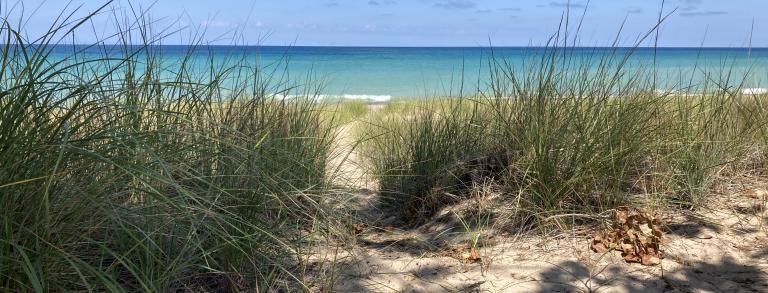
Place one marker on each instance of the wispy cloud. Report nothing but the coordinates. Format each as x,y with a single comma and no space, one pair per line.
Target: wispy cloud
688,8
381,2
566,4
689,5
634,10
219,24
505,9
703,13
456,4
331,4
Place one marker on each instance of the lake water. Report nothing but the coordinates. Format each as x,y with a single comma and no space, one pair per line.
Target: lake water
382,73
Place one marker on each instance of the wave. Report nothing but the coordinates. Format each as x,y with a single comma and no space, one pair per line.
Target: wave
329,97
754,91
388,98
372,98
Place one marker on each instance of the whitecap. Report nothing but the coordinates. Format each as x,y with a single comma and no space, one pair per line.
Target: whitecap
754,91
370,98
373,98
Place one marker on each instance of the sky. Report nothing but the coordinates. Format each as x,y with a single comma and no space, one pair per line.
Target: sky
418,23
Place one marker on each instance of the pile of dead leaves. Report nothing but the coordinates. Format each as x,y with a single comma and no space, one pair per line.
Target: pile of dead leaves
638,235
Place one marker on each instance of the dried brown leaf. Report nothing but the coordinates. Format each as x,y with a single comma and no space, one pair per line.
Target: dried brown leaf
627,248
599,247
359,227
466,254
632,258
474,255
650,260
755,193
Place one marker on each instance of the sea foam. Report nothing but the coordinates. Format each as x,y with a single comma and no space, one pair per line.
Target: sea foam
371,98
754,91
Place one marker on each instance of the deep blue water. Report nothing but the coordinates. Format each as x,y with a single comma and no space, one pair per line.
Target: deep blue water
413,72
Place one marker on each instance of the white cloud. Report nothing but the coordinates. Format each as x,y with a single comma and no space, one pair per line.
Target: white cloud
218,24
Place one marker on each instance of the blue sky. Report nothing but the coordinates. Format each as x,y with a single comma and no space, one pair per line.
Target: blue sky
425,22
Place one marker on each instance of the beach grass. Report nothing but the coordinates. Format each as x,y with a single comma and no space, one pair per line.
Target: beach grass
345,111
557,141
126,173
117,174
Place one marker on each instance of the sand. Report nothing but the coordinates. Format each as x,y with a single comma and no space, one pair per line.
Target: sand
723,251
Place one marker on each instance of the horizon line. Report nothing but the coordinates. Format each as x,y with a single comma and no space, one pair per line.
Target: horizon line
415,47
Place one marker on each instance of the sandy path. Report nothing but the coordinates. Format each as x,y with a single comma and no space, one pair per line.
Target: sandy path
347,162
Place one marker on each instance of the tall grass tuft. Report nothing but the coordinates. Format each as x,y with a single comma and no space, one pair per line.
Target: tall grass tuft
568,135
419,155
124,170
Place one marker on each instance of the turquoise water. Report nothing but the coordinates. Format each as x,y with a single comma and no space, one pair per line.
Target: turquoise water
382,73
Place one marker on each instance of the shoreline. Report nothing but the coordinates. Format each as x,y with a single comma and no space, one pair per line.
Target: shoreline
386,99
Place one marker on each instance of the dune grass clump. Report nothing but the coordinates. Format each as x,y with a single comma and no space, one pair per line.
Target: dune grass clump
423,152
127,171
572,134
698,136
